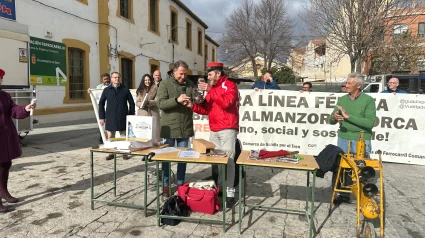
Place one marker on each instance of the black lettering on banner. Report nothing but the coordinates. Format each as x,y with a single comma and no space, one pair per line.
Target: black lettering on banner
291,101
380,137
249,129
302,102
329,102
290,117
301,118
278,101
247,101
397,123
382,104
317,133
199,117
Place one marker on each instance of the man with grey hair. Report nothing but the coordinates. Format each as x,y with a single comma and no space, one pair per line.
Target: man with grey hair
176,119
393,86
157,77
354,112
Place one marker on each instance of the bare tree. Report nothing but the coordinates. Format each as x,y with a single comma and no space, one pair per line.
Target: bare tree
260,28
403,54
354,27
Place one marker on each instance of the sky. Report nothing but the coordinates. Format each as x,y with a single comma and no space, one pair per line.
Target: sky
214,12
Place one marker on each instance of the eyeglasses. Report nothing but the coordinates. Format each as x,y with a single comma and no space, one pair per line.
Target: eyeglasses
306,88
392,83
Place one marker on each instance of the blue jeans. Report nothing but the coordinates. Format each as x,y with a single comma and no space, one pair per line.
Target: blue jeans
181,167
343,144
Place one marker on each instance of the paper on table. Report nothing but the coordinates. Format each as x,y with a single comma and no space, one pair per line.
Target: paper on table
165,150
143,102
188,154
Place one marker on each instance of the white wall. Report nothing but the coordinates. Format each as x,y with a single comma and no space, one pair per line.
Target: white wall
131,36
210,47
40,18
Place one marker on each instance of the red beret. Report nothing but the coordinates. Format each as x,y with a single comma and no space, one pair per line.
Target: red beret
2,73
214,66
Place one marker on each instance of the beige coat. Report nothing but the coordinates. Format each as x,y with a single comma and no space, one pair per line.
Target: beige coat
150,108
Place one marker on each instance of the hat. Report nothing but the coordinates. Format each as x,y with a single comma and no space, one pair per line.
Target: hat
2,73
214,66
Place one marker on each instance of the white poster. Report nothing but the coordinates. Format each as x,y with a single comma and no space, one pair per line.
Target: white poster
291,120
140,128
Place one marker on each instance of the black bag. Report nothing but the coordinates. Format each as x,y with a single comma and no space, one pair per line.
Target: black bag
328,159
173,206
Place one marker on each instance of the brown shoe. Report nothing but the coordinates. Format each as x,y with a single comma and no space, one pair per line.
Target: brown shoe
9,198
166,192
125,157
109,157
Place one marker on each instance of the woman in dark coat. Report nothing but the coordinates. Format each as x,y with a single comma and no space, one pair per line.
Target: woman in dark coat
9,140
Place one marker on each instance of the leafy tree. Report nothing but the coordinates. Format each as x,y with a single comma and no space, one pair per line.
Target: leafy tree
282,75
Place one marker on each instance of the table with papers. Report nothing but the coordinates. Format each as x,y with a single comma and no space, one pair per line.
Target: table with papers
307,164
145,153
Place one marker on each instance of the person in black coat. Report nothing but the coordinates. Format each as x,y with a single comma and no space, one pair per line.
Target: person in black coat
117,110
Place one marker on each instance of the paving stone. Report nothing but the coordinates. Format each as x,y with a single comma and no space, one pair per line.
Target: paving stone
53,181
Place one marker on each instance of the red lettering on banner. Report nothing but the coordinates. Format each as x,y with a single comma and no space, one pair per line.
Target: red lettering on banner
6,10
202,128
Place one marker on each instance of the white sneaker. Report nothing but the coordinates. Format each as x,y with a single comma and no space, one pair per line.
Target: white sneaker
230,192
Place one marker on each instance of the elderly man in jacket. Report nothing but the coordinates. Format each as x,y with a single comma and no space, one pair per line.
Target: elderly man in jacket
176,119
115,117
221,106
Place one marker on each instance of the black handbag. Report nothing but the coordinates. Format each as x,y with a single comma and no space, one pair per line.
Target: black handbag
173,206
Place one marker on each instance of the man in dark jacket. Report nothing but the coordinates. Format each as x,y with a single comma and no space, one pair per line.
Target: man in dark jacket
117,96
176,119
266,82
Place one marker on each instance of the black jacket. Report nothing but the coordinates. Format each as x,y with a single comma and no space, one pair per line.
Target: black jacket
328,158
117,108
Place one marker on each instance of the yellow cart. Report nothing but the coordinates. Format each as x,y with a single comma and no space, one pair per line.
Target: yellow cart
362,172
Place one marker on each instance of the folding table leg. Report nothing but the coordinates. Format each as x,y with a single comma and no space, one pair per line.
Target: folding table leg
115,174
157,194
91,180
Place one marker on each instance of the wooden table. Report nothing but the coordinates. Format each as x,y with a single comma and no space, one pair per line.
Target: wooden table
145,153
203,159
308,164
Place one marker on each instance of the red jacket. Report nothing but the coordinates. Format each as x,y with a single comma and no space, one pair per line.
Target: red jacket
221,105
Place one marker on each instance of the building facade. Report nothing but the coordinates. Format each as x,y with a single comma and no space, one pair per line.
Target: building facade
72,42
244,68
314,61
403,46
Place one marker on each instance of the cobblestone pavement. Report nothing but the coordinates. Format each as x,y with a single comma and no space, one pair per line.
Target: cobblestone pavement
53,181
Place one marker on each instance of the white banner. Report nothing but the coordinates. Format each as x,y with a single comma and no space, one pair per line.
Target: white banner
291,120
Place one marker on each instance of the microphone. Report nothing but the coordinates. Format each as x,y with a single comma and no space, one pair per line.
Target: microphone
200,93
184,89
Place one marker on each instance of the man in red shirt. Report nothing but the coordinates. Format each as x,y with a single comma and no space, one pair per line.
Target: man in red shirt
221,104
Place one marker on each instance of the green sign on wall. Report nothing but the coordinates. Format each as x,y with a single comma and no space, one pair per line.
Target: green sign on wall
47,62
